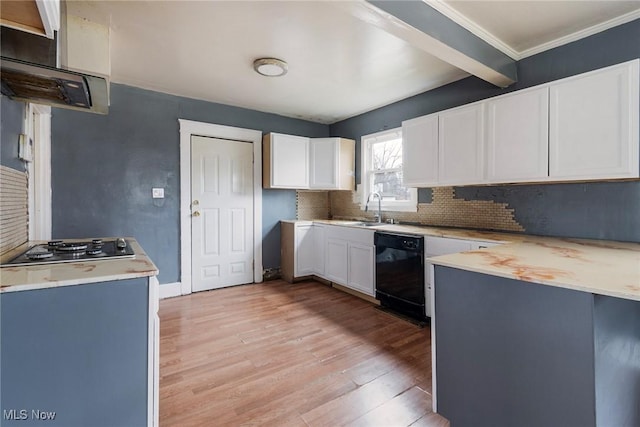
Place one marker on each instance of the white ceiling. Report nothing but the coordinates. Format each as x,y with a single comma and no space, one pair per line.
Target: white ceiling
339,65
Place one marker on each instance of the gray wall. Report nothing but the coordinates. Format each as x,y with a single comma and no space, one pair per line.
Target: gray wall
79,351
593,210
103,169
11,125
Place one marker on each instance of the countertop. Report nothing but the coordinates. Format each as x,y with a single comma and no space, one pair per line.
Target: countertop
596,266
25,278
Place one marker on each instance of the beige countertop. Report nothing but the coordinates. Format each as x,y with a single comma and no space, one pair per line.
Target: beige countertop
597,266
24,278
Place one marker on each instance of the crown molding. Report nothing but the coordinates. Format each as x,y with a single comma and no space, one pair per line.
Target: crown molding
442,7
619,20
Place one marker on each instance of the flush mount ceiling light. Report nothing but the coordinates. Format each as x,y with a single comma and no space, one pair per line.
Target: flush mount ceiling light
270,67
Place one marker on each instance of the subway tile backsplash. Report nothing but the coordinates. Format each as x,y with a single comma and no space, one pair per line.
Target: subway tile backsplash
443,210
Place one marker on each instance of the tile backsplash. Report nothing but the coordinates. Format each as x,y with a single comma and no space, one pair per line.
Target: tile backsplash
443,210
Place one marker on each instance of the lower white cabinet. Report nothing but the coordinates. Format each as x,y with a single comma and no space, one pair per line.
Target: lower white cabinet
360,261
336,267
350,257
297,249
319,242
305,251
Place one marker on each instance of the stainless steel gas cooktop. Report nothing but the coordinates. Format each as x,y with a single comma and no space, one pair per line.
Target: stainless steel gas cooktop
58,251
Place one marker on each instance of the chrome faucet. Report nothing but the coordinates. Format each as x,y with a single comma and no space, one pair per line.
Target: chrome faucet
378,217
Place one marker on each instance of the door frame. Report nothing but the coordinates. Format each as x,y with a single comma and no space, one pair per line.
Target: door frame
188,128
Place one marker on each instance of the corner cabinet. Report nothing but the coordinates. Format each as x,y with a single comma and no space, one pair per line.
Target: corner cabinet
302,163
584,127
297,250
594,125
332,164
285,161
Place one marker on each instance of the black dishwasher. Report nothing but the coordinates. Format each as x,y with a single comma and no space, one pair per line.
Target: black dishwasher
400,273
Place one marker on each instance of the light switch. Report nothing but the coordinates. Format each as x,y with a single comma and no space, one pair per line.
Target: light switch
157,193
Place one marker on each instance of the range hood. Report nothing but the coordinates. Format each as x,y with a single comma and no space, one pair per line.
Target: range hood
29,73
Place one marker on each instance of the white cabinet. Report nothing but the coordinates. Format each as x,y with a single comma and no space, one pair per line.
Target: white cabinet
461,145
583,127
517,136
336,255
304,251
331,164
594,125
350,258
319,242
285,161
361,270
297,249
420,151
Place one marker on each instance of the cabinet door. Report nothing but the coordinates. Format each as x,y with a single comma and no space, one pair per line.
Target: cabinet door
304,253
323,163
319,242
336,261
594,125
420,151
517,136
461,145
361,276
289,161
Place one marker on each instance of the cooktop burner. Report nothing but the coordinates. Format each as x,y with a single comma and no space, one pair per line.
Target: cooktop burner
57,251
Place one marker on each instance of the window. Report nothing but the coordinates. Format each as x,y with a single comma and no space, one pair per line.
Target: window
382,172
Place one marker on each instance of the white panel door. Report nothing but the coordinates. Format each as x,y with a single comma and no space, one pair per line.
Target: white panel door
323,163
361,268
420,151
222,213
594,125
518,136
461,145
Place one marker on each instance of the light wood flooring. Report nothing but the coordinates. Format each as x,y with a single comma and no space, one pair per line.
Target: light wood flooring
277,354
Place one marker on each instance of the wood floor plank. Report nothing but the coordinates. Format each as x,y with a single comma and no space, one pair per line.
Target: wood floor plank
280,354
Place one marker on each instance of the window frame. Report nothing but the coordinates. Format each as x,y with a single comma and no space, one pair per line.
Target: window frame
366,173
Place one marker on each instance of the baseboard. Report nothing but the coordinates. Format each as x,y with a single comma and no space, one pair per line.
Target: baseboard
169,290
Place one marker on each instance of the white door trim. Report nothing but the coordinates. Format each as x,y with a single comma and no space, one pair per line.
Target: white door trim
188,128
38,129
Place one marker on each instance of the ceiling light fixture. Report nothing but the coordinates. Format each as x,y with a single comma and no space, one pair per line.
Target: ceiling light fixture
270,67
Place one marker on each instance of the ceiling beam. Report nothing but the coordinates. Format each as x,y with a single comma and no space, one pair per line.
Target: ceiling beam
425,28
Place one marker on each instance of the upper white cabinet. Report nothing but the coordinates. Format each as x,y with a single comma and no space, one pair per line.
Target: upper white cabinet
331,164
461,145
285,161
517,136
420,151
583,127
594,125
298,162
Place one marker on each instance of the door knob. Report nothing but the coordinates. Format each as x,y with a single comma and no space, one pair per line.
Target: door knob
196,213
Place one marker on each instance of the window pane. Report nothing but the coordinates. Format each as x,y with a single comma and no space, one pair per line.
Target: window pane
387,155
389,185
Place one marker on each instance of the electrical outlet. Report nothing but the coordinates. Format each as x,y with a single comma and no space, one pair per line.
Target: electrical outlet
157,193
